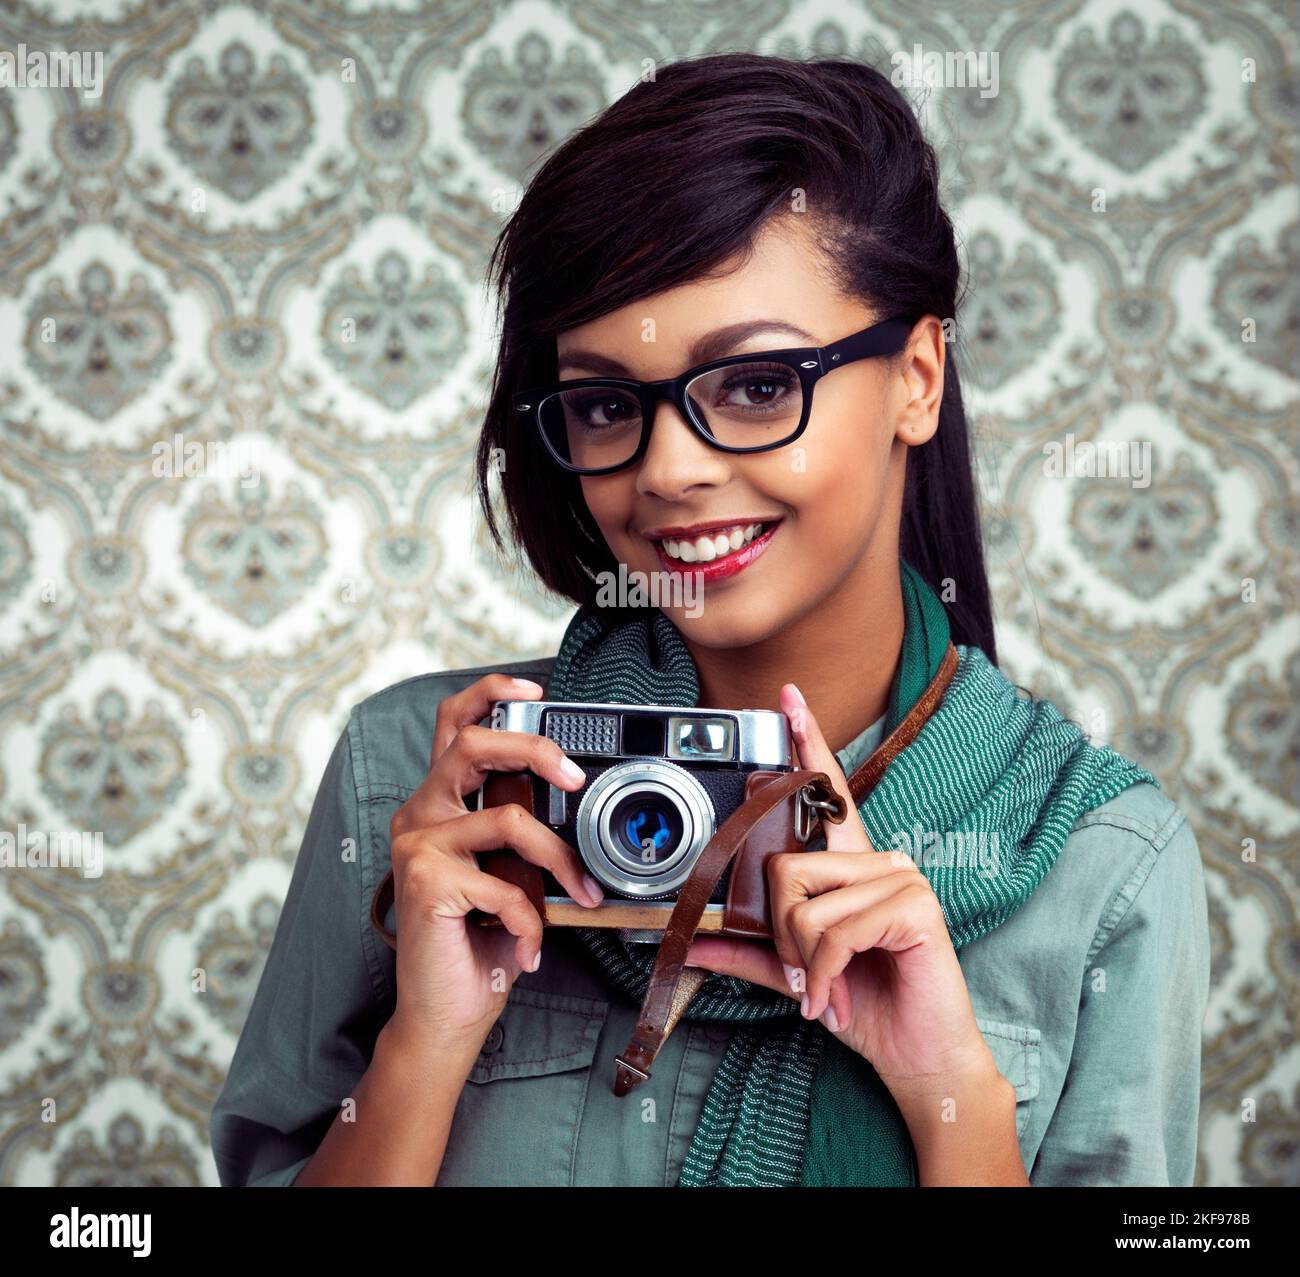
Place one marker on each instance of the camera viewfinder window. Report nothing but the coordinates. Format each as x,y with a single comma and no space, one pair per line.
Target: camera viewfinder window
702,738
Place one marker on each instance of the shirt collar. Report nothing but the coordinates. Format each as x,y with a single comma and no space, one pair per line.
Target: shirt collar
861,747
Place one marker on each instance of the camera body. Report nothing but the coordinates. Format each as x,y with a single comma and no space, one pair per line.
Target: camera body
660,781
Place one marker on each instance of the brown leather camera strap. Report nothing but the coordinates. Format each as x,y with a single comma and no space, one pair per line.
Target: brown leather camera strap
672,983
666,998
864,780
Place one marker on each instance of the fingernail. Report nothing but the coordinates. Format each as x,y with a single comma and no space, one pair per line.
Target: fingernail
803,1006
798,694
527,684
592,888
791,976
572,770
537,961
830,1019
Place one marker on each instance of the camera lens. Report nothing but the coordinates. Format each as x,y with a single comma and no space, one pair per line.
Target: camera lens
648,826
641,826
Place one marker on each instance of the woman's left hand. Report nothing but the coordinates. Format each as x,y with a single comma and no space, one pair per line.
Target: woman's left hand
860,936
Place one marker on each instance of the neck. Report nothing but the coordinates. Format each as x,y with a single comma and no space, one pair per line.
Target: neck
842,655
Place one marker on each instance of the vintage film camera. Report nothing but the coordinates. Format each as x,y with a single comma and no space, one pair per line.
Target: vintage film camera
660,782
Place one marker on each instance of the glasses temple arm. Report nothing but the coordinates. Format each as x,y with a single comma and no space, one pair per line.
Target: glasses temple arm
885,338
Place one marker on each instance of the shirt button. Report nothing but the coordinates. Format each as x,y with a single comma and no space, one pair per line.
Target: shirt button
496,1035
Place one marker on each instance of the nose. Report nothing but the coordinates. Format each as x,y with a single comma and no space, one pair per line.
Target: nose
677,460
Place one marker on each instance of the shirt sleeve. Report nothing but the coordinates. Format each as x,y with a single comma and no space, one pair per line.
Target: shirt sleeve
311,1029
1128,1112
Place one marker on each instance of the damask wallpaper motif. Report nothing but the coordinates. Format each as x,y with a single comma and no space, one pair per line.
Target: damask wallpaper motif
268,230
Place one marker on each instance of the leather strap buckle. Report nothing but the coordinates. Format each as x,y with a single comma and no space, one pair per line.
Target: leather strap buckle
641,1076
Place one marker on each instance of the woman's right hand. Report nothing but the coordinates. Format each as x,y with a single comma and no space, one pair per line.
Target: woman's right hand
453,977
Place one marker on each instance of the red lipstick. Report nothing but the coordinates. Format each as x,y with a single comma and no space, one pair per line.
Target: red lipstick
726,565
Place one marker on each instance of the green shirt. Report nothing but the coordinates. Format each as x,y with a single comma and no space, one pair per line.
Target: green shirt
1091,998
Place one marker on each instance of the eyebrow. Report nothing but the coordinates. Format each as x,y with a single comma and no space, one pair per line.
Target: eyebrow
712,345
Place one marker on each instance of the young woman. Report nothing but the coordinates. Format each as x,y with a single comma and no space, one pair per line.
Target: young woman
744,268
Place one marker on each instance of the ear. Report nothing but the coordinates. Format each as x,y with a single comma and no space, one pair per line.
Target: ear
920,370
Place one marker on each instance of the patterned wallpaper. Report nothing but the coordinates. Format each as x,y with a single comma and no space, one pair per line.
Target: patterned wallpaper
245,341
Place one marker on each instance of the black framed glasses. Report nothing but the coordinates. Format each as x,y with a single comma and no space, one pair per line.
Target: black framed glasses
744,403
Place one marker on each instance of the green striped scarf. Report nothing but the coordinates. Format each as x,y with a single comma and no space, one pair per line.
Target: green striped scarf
789,1103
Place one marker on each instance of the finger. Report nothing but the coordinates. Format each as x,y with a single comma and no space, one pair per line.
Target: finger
814,753
755,961
795,877
428,805
474,703
516,827
475,751
517,914
841,1002
836,927
462,887
804,874
806,921
464,766
509,826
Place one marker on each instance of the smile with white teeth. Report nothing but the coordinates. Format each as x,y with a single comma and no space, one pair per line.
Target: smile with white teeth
712,545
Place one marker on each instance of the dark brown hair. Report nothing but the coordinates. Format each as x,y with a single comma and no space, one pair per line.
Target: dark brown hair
664,186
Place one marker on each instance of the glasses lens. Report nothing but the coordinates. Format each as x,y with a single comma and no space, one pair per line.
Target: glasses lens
748,405
593,426
755,404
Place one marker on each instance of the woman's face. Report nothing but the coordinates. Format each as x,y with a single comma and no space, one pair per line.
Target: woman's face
829,503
